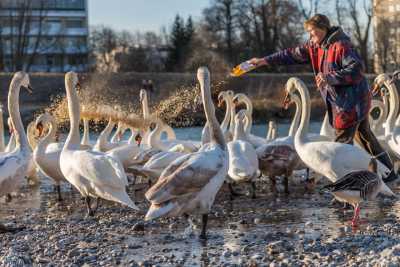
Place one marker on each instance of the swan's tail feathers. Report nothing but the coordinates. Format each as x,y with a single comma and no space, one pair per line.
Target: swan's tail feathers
158,210
124,199
387,191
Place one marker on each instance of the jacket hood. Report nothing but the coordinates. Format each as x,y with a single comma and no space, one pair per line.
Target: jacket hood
334,34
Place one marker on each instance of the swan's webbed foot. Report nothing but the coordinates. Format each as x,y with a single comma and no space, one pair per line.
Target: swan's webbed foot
203,234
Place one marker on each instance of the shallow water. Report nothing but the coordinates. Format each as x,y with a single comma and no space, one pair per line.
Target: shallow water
233,225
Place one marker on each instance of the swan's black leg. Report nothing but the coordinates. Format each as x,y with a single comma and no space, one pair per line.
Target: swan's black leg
203,234
89,208
253,189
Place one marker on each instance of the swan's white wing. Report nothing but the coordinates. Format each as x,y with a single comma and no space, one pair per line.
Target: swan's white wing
335,160
9,165
99,168
243,161
187,174
54,147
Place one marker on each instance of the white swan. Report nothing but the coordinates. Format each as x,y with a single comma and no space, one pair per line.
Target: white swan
392,130
223,96
256,141
102,144
377,124
156,142
243,161
93,174
190,183
47,154
147,116
86,142
14,165
333,160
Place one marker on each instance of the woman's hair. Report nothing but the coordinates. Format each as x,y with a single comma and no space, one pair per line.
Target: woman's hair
319,21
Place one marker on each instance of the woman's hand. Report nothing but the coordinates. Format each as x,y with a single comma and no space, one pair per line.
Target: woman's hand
257,61
321,80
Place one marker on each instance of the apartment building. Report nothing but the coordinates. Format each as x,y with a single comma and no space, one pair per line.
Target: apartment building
44,35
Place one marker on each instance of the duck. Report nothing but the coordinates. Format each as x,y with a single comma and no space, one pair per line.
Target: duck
358,186
14,165
243,161
330,159
94,174
47,153
190,183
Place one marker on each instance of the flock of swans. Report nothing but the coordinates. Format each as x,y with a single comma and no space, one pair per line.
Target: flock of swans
184,176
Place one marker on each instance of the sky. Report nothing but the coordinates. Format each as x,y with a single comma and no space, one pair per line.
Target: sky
142,15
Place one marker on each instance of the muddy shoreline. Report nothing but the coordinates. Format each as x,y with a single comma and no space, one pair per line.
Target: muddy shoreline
273,230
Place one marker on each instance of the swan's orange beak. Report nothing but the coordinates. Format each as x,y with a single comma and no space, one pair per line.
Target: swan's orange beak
39,127
235,102
138,139
220,102
286,101
375,89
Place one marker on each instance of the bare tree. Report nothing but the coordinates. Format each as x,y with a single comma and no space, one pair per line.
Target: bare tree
309,9
360,21
24,18
221,17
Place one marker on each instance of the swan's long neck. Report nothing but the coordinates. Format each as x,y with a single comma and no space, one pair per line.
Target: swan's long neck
375,124
249,121
13,108
296,118
155,136
216,135
145,106
85,137
49,137
2,144
301,133
73,139
394,107
115,137
233,114
102,139
131,139
239,133
170,132
225,122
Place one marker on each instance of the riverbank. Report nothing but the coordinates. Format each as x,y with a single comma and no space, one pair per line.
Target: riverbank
273,230
173,98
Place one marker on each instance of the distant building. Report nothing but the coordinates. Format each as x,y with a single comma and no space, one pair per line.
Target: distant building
386,26
54,38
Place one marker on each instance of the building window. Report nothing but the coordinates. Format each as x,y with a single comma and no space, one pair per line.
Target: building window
398,7
391,8
74,23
